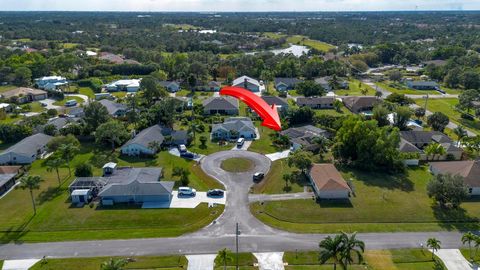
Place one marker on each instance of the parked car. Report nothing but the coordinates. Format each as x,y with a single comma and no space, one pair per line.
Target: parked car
182,148
258,176
187,191
71,103
43,104
215,193
188,155
240,142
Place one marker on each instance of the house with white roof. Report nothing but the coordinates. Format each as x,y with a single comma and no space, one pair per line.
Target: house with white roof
51,82
131,85
247,83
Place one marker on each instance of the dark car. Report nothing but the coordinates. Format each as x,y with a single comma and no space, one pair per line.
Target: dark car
187,155
215,193
258,176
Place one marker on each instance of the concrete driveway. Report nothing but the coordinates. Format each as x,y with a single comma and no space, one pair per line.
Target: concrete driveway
187,202
19,264
49,102
454,260
270,261
278,155
201,262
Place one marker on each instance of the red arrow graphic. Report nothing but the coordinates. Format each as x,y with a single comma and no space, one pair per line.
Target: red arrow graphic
268,114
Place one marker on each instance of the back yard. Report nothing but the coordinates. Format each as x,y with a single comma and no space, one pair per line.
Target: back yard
57,220
382,203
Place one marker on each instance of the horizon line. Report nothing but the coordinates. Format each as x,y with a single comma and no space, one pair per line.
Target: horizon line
257,11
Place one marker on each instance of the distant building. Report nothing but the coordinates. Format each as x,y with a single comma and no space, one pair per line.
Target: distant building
141,144
220,105
416,141
360,104
233,128
247,83
285,84
26,151
51,82
468,169
328,183
304,137
171,86
316,102
280,103
132,85
23,95
325,83
423,85
114,109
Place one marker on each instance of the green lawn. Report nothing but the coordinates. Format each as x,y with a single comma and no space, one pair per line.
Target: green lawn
383,203
303,40
355,89
157,262
273,182
264,145
5,88
188,93
63,101
237,165
87,91
403,89
56,220
69,45
373,260
447,106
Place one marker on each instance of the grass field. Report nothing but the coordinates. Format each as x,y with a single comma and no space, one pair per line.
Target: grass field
383,203
374,260
355,87
402,89
273,183
237,165
63,101
303,40
56,220
5,88
87,91
139,263
264,145
447,106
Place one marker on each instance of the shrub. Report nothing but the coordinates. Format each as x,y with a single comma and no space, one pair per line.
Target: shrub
467,116
84,170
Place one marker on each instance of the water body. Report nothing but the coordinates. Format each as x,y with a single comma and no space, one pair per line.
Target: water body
296,50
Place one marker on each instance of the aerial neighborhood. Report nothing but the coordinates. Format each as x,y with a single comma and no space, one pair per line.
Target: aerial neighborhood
114,126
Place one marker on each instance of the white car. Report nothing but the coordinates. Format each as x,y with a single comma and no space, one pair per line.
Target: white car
187,191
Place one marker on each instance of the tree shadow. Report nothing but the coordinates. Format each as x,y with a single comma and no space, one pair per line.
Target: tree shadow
49,194
455,219
119,206
13,234
337,203
384,180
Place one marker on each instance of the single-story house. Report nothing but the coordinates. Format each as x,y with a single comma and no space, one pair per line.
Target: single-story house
111,57
247,83
280,103
24,95
6,107
416,141
304,137
233,128
51,82
58,123
130,86
8,175
26,151
220,105
325,83
285,84
423,85
141,143
360,104
77,112
171,86
114,109
316,102
328,183
214,86
468,169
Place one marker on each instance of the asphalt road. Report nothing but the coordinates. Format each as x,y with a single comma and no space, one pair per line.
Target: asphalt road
254,237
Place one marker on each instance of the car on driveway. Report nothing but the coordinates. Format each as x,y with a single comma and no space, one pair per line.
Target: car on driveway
187,191
188,155
71,103
258,176
215,193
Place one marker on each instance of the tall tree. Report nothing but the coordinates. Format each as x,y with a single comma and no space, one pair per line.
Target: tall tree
434,149
447,189
352,250
223,257
401,117
469,238
54,163
380,114
438,121
95,115
301,160
434,245
331,249
113,132
31,182
67,152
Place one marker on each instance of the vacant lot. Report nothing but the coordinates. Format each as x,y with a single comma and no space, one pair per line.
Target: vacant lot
355,89
447,106
382,203
403,89
302,40
57,220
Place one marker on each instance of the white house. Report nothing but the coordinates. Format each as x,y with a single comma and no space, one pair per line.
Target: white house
327,182
234,127
26,151
132,85
247,83
51,82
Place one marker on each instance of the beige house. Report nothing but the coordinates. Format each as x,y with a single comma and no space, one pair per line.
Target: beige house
468,169
327,182
24,95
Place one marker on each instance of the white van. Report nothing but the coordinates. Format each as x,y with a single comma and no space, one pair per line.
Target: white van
71,103
182,148
240,142
186,191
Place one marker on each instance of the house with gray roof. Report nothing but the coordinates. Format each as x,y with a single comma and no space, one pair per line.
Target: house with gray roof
127,185
233,128
416,141
114,109
247,83
8,175
316,102
360,104
142,143
220,105
280,103
285,84
326,83
171,86
26,151
304,137
58,123
423,85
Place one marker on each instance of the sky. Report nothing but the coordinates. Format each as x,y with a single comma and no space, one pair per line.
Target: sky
236,5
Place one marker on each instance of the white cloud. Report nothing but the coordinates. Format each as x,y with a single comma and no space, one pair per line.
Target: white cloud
238,5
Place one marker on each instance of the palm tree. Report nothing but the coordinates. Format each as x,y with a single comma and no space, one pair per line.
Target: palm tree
460,132
224,256
114,264
469,237
68,151
434,245
434,149
287,178
352,249
54,164
331,249
194,128
31,182
476,241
